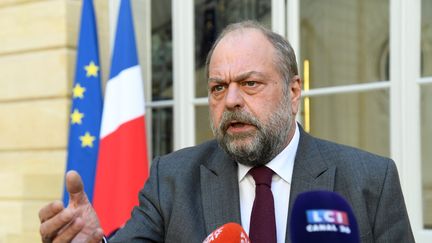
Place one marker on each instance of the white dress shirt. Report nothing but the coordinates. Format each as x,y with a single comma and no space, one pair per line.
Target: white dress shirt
282,165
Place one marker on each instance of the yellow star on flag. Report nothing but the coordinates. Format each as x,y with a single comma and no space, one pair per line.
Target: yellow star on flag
87,140
76,117
91,69
78,91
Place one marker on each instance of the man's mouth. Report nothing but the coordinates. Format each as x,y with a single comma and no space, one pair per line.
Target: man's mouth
233,123
238,127
237,124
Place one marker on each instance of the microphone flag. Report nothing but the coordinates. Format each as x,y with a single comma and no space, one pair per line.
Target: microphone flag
86,109
122,165
228,233
323,216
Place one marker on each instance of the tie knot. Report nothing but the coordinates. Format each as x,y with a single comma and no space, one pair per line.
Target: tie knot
262,175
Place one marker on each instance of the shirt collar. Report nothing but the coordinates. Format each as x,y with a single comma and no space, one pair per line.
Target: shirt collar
282,164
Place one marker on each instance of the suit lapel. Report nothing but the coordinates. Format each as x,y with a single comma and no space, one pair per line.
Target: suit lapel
219,182
311,171
219,190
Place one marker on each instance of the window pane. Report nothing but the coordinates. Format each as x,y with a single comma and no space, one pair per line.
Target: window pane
426,140
211,16
202,122
426,44
161,46
355,119
162,131
346,41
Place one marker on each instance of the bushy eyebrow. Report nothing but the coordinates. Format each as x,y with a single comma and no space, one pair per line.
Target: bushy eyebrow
238,78
216,80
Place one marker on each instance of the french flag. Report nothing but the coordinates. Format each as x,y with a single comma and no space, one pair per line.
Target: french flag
122,166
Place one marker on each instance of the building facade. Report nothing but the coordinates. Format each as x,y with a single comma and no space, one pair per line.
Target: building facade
366,66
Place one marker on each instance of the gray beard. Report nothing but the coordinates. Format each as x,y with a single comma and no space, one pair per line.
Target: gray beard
263,144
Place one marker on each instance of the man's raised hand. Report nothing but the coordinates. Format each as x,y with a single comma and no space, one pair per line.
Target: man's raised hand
76,223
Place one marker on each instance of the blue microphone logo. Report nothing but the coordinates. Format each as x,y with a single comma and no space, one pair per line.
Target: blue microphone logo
327,220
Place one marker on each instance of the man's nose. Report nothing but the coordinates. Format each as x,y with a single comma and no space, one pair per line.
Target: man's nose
234,97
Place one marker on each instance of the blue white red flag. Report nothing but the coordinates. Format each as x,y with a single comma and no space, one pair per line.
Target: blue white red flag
122,165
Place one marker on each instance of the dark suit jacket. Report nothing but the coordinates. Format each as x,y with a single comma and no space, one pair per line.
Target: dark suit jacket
193,191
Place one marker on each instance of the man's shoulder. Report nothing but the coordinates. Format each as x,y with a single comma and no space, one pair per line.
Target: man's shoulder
354,167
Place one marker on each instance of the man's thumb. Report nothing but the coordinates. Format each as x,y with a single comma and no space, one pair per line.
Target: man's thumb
75,187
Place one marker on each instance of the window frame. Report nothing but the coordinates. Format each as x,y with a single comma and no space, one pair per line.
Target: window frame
404,85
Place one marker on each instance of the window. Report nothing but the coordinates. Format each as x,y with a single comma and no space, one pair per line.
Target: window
211,16
360,91
344,53
162,78
426,111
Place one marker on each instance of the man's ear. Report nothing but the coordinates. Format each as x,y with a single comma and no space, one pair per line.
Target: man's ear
295,87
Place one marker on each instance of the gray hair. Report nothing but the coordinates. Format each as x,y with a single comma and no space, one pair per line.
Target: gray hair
285,59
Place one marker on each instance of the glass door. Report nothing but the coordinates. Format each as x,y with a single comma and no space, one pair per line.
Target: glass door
344,55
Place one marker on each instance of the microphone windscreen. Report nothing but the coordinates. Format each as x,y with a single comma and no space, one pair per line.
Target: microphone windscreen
323,216
228,233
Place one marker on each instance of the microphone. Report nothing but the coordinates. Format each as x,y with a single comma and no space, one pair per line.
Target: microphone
228,233
323,216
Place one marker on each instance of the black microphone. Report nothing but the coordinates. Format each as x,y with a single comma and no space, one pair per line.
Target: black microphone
323,216
228,233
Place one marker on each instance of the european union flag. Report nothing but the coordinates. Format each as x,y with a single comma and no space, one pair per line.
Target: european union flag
86,111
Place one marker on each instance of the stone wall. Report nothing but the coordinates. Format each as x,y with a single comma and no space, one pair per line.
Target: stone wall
37,58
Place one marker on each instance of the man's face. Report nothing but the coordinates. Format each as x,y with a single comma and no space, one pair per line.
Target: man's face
251,115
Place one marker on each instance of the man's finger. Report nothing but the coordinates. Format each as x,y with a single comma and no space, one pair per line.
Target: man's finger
75,187
51,227
50,210
96,237
70,232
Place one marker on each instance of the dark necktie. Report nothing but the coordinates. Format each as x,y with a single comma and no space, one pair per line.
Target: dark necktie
262,223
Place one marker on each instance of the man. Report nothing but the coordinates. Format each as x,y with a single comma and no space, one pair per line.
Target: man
254,95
